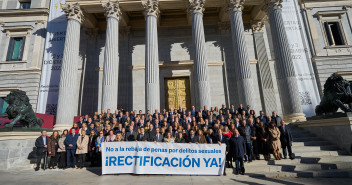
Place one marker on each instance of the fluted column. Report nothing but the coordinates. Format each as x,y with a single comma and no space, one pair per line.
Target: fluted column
68,95
286,76
152,86
201,79
244,77
267,91
111,56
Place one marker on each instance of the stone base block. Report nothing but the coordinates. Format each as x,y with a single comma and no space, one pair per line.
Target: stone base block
62,127
17,148
295,118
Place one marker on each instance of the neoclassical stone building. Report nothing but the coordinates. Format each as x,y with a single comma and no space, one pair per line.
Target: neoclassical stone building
146,54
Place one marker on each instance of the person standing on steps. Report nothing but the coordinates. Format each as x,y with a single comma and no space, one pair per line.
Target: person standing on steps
238,151
286,140
275,140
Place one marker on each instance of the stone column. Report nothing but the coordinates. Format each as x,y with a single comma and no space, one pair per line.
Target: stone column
244,77
111,56
269,100
68,88
201,77
286,76
152,86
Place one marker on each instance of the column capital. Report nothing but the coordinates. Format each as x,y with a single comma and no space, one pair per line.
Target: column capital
112,9
270,5
151,7
235,5
196,6
73,11
257,26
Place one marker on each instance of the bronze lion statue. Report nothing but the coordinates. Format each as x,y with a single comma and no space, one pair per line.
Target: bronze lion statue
337,94
20,110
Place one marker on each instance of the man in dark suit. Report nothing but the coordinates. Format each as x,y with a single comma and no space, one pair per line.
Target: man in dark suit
71,145
131,135
232,110
277,119
42,144
193,111
223,109
80,122
150,133
240,109
219,138
286,140
192,137
142,136
238,151
205,112
158,137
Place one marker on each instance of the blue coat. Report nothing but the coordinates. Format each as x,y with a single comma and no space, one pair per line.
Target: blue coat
71,140
237,146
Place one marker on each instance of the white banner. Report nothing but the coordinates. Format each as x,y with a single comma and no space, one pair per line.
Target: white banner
307,85
163,158
51,68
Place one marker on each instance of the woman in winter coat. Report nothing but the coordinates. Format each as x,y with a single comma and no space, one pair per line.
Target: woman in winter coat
82,149
61,151
263,140
53,146
275,140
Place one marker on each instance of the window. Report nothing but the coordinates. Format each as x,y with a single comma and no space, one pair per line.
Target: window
15,50
25,5
331,23
334,34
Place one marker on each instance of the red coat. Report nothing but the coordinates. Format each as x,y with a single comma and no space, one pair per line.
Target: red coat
228,135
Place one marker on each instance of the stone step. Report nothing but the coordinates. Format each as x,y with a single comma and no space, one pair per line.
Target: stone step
305,160
316,154
311,174
311,143
297,167
305,139
327,159
335,173
315,148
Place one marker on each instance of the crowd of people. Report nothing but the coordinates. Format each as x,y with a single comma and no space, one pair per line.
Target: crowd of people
246,135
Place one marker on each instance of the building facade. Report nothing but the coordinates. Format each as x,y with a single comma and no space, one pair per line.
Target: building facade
148,54
22,36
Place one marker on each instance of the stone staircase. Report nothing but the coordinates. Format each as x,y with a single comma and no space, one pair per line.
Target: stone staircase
314,158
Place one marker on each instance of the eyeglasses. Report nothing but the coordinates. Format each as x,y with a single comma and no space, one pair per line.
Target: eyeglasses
101,133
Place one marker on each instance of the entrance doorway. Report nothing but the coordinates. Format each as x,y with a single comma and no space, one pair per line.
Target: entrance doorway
177,93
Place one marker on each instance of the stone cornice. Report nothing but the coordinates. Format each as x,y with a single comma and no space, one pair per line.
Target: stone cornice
21,12
270,5
73,11
196,6
235,5
112,9
151,7
186,63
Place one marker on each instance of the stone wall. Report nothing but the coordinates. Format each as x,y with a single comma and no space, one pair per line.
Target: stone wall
16,153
